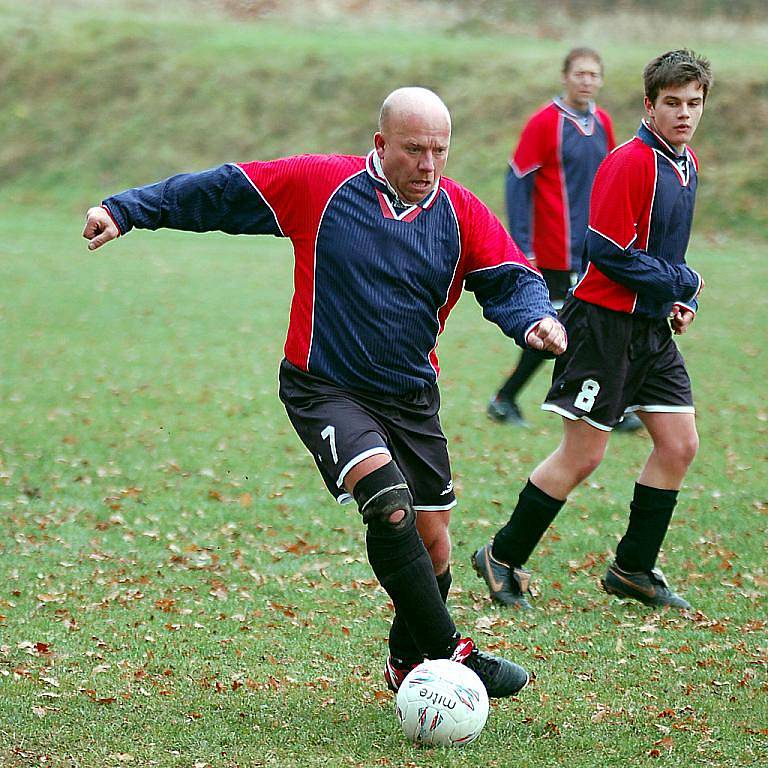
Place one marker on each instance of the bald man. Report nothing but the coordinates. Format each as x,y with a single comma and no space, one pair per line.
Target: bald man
383,247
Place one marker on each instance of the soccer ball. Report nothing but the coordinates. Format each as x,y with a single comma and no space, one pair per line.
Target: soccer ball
442,702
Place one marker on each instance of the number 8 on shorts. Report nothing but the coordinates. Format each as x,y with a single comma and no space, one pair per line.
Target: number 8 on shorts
586,397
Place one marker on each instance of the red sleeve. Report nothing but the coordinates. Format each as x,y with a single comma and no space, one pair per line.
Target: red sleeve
694,158
621,194
485,243
607,122
536,142
512,294
297,188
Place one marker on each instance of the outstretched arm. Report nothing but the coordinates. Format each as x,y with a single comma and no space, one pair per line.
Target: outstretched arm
222,198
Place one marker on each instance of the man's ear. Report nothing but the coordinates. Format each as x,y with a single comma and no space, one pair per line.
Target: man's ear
379,142
648,106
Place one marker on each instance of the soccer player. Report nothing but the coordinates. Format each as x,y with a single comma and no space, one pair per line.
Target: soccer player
547,197
637,291
383,247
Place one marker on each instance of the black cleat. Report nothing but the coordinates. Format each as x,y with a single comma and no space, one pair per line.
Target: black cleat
649,588
506,412
507,585
500,677
630,423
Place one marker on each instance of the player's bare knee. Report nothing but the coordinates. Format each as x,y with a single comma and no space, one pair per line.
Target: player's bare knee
439,550
584,464
441,559
689,448
683,450
581,457
384,500
678,450
590,463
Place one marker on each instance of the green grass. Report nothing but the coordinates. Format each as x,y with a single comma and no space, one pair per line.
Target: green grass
177,588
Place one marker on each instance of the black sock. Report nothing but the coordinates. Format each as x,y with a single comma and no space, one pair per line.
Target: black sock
401,644
529,363
650,512
403,567
534,513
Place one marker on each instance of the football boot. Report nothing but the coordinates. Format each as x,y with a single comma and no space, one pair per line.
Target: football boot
508,586
650,588
499,676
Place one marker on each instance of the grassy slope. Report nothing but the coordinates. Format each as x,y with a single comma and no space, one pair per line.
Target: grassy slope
92,101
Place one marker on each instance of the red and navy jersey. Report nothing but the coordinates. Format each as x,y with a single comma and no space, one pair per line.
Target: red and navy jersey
639,226
374,280
549,181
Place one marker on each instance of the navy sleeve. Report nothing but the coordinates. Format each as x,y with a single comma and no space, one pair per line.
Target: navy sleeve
513,297
220,199
693,305
519,200
643,273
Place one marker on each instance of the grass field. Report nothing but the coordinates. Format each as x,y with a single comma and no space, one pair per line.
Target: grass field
177,589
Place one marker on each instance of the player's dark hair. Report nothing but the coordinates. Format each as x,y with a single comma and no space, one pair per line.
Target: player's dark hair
578,53
675,68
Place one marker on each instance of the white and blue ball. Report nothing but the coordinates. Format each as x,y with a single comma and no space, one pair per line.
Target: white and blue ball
442,702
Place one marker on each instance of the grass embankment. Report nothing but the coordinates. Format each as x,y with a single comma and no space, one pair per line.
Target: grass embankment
97,98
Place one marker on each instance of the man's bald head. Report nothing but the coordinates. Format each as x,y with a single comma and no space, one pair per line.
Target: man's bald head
412,101
412,142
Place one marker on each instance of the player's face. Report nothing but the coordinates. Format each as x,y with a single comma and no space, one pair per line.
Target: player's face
676,113
413,149
582,82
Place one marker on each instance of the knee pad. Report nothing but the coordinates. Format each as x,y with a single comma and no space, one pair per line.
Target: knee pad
381,493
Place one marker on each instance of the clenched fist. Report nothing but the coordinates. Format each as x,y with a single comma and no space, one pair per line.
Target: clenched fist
548,335
99,227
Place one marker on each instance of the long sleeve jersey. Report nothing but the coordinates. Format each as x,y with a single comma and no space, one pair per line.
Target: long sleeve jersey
549,181
374,281
639,226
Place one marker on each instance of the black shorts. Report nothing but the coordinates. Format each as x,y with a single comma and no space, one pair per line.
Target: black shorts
558,282
615,364
341,428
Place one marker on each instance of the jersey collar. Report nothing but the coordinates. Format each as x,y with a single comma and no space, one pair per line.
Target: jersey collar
561,105
648,136
376,173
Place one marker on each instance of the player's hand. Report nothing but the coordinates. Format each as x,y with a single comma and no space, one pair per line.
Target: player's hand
548,335
99,228
681,318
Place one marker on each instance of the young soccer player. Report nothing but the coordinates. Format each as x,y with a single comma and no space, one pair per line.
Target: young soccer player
636,293
547,197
